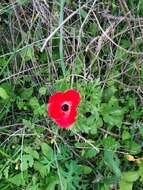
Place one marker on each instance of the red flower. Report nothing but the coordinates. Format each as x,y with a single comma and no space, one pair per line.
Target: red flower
62,107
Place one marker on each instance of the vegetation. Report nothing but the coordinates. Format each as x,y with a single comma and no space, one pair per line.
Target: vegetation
94,47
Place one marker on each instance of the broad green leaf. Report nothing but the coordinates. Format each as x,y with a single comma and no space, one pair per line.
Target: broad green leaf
125,185
3,93
126,135
104,187
130,176
127,180
85,169
141,173
92,28
120,53
83,13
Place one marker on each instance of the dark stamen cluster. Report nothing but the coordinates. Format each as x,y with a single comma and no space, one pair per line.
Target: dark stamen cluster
65,107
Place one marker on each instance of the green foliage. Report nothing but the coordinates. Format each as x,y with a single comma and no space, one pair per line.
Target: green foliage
127,180
112,162
17,180
98,51
3,93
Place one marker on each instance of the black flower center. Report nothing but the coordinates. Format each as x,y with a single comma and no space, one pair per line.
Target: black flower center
65,107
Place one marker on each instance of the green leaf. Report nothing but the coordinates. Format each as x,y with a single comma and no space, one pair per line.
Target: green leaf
3,93
42,90
42,169
34,103
78,64
28,53
125,185
17,180
140,8
26,93
52,182
120,53
27,161
141,173
112,162
83,13
126,135
110,143
89,153
60,85
32,152
6,172
47,151
130,176
112,113
127,180
92,29
85,169
141,129
22,2
133,147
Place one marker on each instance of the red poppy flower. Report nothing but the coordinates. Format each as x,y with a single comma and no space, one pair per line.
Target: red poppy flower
62,107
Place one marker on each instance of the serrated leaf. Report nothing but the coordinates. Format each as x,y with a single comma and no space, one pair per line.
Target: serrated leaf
53,181
112,162
17,180
47,151
42,90
32,152
6,172
90,153
34,103
42,169
27,161
27,53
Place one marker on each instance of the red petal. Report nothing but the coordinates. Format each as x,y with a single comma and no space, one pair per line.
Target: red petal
54,110
57,97
67,121
54,105
73,96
